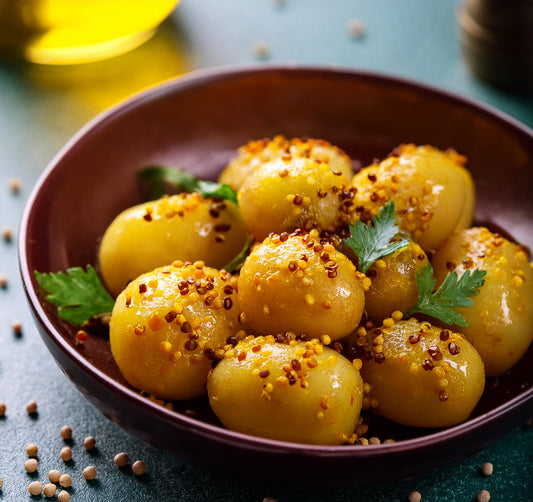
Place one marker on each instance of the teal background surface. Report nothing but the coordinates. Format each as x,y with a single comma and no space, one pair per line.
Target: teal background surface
42,107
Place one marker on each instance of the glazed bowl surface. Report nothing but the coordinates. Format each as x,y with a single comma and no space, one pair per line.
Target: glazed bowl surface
196,122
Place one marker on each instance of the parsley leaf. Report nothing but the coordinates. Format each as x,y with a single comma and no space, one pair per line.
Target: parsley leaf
237,262
157,177
372,242
78,294
452,293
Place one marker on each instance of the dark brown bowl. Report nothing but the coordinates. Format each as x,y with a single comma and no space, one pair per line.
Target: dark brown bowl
197,122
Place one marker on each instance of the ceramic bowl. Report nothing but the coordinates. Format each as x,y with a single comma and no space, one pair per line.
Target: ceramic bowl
196,122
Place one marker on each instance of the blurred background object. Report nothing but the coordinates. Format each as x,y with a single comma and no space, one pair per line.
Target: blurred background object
77,31
497,41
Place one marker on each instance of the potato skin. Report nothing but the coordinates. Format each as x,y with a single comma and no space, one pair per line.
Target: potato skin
290,193
294,283
179,227
261,151
433,193
165,331
300,392
422,375
501,319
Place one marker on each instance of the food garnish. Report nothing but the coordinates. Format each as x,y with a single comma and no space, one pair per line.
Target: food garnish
235,265
158,177
453,292
78,294
372,242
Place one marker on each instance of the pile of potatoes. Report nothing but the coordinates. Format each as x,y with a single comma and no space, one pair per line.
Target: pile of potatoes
299,341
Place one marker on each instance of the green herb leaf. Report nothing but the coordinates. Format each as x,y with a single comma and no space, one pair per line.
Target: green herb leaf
78,294
157,177
372,242
452,293
237,262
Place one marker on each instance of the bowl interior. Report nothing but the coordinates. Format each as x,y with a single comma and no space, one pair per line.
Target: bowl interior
197,122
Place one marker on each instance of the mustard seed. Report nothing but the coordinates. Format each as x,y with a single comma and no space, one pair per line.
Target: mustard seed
54,476
2,408
3,281
32,449
355,28
483,496
89,442
89,473
261,50
138,468
31,407
63,496
1,483
65,480
17,330
14,185
415,496
121,459
50,490
66,432
66,453
35,488
487,469
31,465
7,234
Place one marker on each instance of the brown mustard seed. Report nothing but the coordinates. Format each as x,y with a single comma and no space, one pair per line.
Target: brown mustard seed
1,482
17,329
63,496
2,408
7,234
138,468
31,465
121,459
415,496
487,469
483,496
66,432
32,450
15,185
31,407
35,487
89,473
3,281
66,453
89,442
54,476
50,490
65,480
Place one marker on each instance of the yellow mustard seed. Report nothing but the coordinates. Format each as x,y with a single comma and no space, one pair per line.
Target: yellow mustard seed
31,465
121,459
89,473
487,469
483,496
415,496
89,442
54,476
66,453
50,490
66,432
3,280
32,449
138,468
35,488
65,480
31,407
63,496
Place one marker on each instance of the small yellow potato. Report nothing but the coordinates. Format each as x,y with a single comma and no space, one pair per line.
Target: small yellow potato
295,283
178,227
261,151
433,193
297,391
168,326
500,323
290,193
421,375
394,285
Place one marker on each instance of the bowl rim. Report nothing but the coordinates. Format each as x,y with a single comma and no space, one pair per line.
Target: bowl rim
223,435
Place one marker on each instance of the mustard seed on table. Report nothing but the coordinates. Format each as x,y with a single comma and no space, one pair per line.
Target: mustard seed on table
15,185
7,234
138,468
121,459
63,496
487,469
17,329
2,408
54,476
66,453
65,480
31,465
31,407
3,281
66,432
89,442
35,487
50,490
32,449
415,496
89,473
483,496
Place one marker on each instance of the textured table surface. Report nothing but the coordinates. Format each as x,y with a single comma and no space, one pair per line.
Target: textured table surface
42,107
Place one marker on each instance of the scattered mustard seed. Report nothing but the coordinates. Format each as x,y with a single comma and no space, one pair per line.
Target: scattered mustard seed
50,490
65,480
66,453
374,440
2,408
89,442
121,459
35,488
7,234
54,476
66,432
138,468
487,469
1,483
261,50
3,281
31,407
17,329
483,496
32,450
63,496
355,28
89,473
415,496
15,185
31,465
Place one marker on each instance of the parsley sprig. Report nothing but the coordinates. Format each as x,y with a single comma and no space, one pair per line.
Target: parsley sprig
158,177
78,294
373,242
452,293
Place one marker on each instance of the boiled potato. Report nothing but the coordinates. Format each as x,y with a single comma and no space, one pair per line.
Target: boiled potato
293,192
169,324
433,193
295,283
500,323
301,392
180,227
258,152
421,375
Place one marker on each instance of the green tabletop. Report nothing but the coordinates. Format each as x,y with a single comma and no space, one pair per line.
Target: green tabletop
42,107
